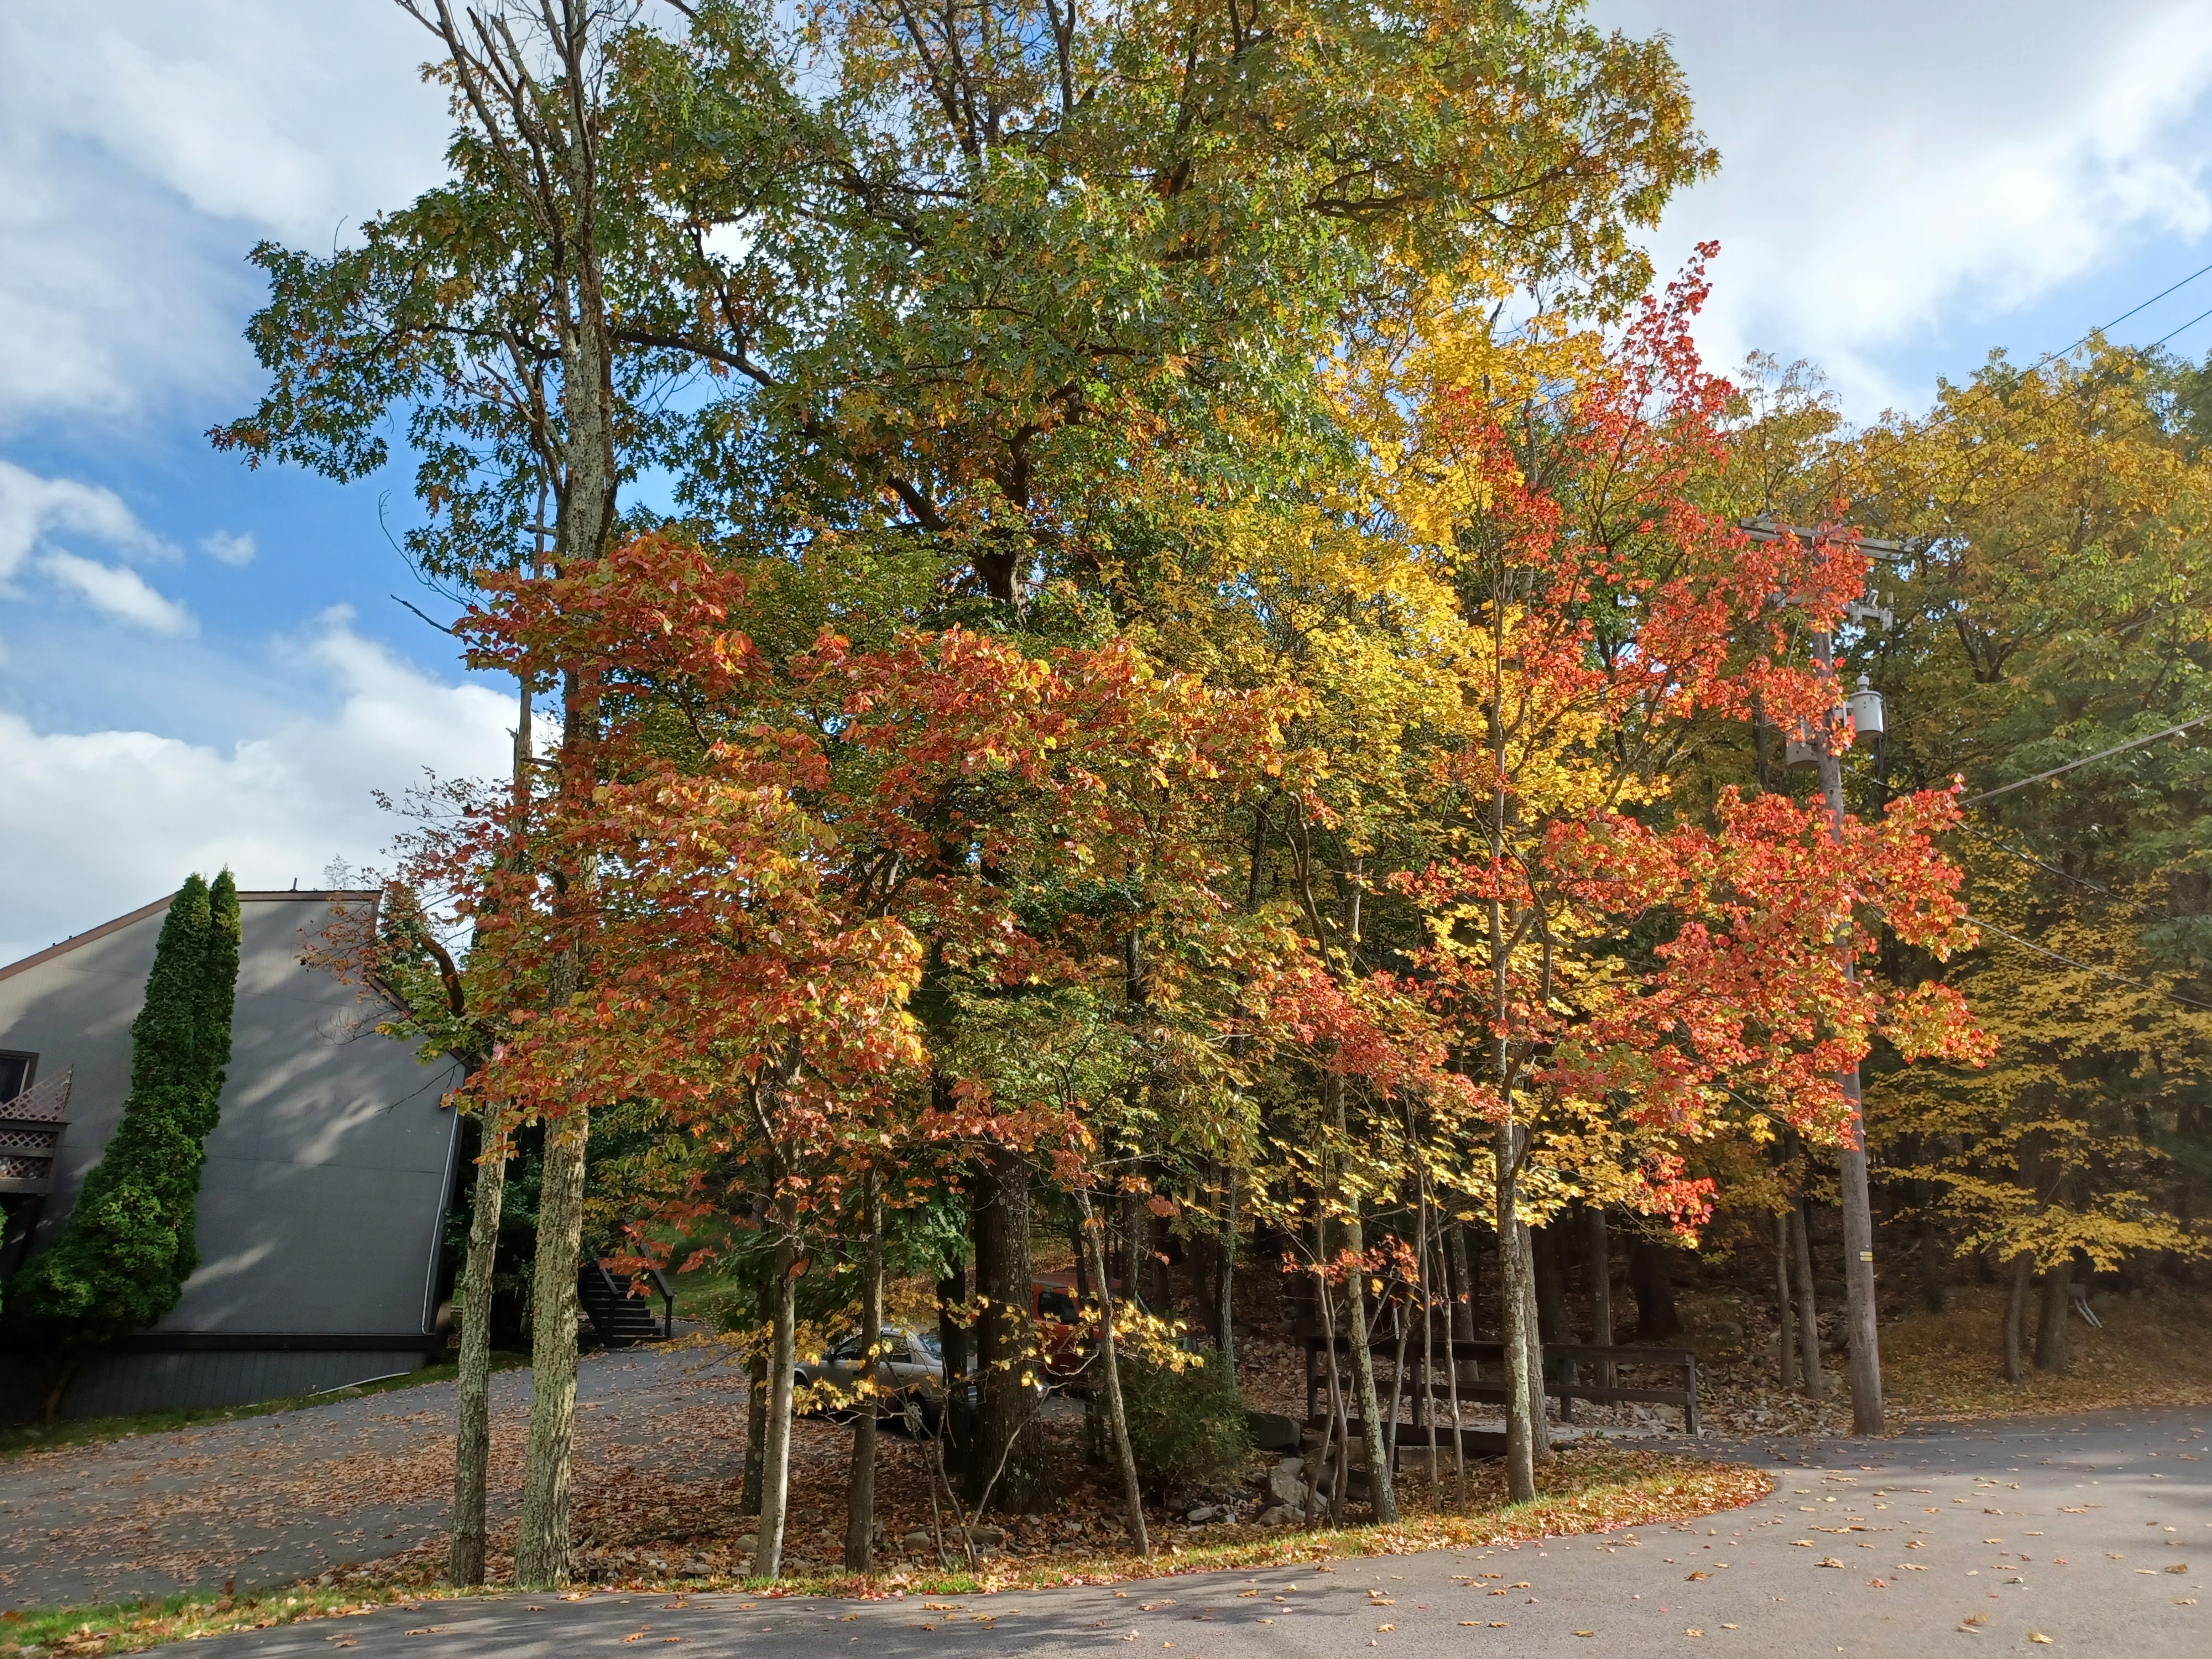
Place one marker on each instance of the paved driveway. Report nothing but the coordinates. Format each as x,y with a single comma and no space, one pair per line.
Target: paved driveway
2095,1532
267,1500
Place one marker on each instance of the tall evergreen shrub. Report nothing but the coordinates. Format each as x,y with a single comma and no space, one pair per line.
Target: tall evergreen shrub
123,1257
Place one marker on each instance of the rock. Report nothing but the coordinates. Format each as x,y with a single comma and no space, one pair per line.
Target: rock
987,1538
1278,1515
1273,1430
1203,1515
1725,1330
1286,1483
919,1538
746,1543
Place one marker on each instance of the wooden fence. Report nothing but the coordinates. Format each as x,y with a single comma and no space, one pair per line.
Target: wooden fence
1563,1363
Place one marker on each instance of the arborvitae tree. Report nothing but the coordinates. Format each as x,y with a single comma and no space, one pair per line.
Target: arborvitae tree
123,1258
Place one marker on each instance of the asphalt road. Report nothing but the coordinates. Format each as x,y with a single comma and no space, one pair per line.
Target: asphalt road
2095,1533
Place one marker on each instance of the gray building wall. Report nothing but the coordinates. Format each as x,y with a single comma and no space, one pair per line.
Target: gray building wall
326,1175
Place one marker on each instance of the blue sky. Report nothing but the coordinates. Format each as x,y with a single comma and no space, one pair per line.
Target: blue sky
201,664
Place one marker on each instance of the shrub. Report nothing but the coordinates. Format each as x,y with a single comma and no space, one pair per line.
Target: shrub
1186,1427
128,1243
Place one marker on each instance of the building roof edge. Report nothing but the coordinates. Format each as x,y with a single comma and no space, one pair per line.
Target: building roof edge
367,895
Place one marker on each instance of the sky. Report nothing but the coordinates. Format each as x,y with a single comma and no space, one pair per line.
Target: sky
202,665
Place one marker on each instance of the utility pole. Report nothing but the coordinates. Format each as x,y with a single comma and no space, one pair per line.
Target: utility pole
1859,1321
1851,1160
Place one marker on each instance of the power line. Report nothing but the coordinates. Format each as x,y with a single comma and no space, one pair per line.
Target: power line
2163,338
2117,748
2088,967
1957,410
2124,315
2052,869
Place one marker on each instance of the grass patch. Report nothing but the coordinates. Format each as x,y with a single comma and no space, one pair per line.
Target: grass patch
129,1626
1600,1489
16,1441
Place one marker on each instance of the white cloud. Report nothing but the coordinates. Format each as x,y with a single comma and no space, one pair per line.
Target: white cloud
94,823
224,548
145,146
123,594
32,508
1895,174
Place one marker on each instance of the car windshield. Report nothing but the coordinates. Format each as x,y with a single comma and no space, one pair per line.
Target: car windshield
930,1345
1056,1304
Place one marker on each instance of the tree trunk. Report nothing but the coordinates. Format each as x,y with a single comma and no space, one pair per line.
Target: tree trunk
541,1548
1540,1422
60,1369
860,1489
1401,1331
1117,1418
1339,1427
775,1458
1808,1308
956,1425
1650,1276
2057,1278
1451,1381
1158,1246
2023,1269
1785,1326
1382,1494
563,199
1550,1287
1552,1322
1600,1251
464,1551
1425,1412
1010,1463
2051,1328
1462,1274
749,1498
1861,1328
1928,1247
1134,1218
1513,1317
1225,1272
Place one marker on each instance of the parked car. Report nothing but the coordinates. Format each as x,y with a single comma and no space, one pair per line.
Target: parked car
1060,1324
910,1365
